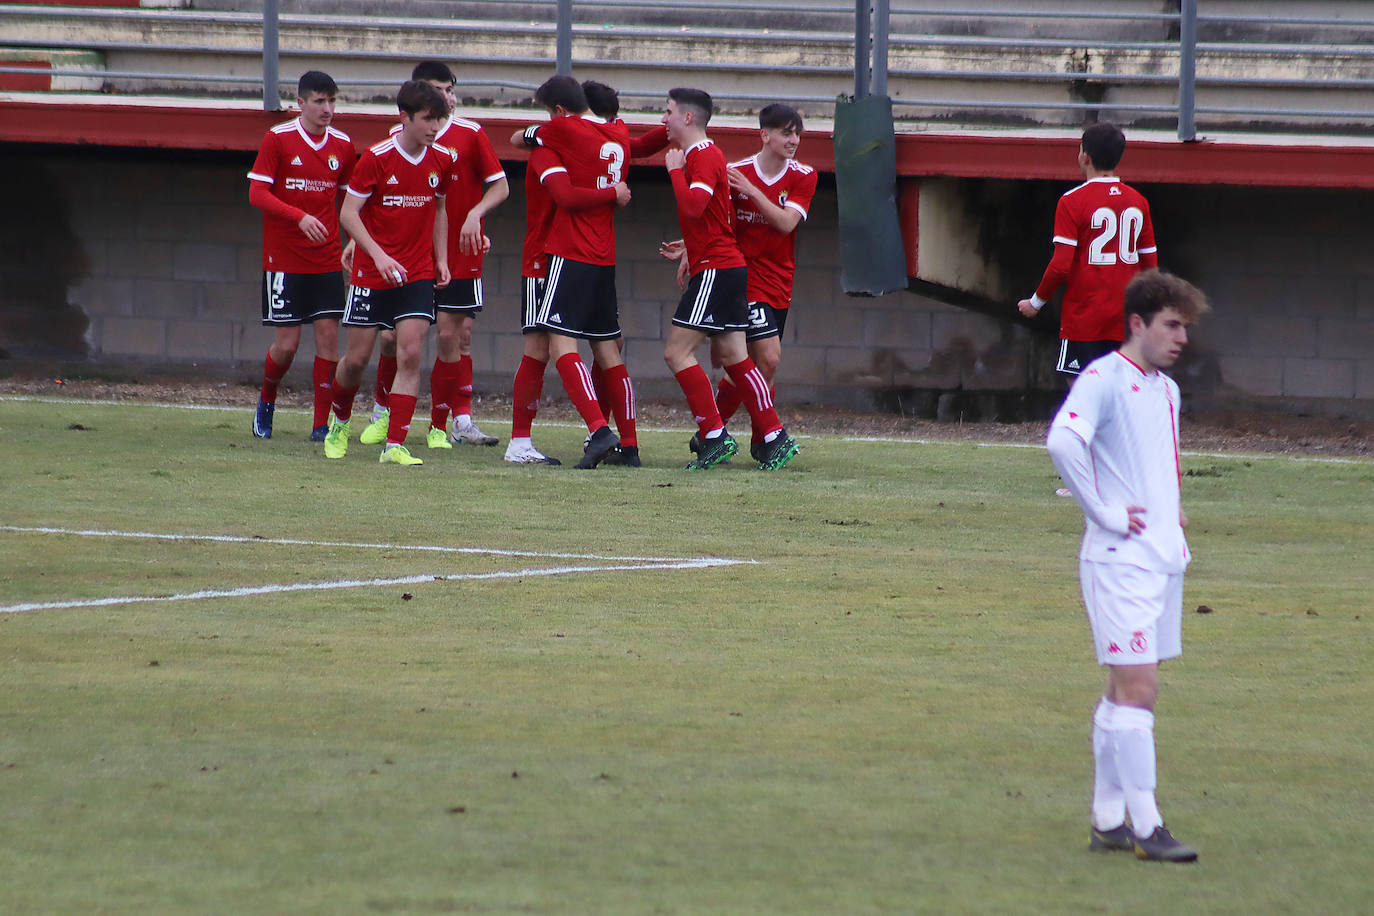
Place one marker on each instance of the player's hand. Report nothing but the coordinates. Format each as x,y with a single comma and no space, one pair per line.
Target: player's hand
313,228
738,182
673,250
1135,521
674,159
622,194
486,244
1027,308
391,270
470,236
441,274
682,271
346,259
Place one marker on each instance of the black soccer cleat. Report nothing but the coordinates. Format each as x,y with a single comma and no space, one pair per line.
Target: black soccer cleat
694,444
1118,839
319,432
626,456
598,447
1161,846
776,454
262,419
713,452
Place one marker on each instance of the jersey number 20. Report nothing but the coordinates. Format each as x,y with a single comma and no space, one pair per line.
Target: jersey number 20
1125,230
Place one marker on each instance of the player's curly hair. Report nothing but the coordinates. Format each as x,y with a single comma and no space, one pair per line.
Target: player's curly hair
1152,291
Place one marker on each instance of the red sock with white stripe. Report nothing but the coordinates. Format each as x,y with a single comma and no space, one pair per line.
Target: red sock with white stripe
621,392
398,424
577,382
272,374
754,391
461,399
322,381
700,399
443,379
529,385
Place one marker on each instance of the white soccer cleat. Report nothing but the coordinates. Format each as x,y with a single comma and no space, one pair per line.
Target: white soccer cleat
528,454
465,432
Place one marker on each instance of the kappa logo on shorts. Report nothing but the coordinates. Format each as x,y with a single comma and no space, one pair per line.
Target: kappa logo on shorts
1138,644
1113,649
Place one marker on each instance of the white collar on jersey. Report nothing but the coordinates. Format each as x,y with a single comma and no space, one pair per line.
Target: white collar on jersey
305,135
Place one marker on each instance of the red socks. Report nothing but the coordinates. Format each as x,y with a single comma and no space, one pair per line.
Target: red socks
272,374
461,397
322,381
398,424
754,392
443,380
343,401
577,382
529,385
700,398
621,393
386,376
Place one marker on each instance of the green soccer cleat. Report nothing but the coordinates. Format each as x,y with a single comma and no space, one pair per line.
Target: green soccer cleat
1118,839
375,432
1161,846
776,454
336,440
398,454
437,438
713,452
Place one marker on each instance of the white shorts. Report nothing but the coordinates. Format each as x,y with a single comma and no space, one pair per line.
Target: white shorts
1136,615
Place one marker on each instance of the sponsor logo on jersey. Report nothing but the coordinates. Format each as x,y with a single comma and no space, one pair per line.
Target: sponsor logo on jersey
406,200
309,184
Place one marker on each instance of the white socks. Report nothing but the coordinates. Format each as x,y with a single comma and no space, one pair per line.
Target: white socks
1124,750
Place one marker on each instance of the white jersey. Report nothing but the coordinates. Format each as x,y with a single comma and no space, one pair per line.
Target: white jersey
1115,442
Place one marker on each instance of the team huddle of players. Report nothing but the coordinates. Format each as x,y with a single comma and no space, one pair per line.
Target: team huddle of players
413,210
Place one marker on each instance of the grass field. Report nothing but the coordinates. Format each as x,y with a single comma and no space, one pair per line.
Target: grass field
239,678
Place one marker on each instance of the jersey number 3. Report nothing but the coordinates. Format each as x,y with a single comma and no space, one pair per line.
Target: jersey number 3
1118,233
613,154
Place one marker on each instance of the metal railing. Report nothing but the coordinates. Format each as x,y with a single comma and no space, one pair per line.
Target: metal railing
882,34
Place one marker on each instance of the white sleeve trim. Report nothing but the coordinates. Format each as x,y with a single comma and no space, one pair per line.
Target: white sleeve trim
350,190
494,176
1036,301
549,171
798,207
258,176
703,186
1062,240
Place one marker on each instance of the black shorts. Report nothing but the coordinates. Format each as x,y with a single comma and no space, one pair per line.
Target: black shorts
765,321
464,295
579,300
715,302
531,291
1074,355
294,299
383,308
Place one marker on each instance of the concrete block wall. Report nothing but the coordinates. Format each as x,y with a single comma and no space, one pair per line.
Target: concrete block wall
155,260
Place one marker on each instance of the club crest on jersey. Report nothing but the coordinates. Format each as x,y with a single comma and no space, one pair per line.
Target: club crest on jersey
333,163
434,179
782,199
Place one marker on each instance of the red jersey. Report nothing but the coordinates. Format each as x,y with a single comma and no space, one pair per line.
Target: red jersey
539,213
305,173
704,211
593,153
769,253
476,166
1102,238
400,195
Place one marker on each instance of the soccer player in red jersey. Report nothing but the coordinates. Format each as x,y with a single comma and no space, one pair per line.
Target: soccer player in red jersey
579,298
301,167
714,304
1102,238
395,213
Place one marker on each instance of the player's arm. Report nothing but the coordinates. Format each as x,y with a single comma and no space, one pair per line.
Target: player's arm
1069,445
568,197
782,219
470,233
350,217
441,271
693,197
260,195
1145,246
1065,245
649,143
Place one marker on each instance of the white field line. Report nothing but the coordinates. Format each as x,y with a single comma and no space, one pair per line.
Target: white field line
701,563
890,440
296,542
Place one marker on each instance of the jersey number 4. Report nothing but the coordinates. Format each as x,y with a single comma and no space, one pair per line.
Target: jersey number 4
613,154
1117,236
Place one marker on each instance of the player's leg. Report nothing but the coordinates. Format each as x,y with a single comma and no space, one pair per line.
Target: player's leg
774,448
443,377
620,393
465,429
528,385
322,374
568,311
375,432
410,342
362,337
714,444
280,354
577,382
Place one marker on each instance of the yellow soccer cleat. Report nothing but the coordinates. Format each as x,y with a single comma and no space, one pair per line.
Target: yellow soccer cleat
437,438
375,432
397,454
336,440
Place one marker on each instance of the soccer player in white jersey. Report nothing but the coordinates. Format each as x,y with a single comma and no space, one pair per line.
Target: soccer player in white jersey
1115,441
